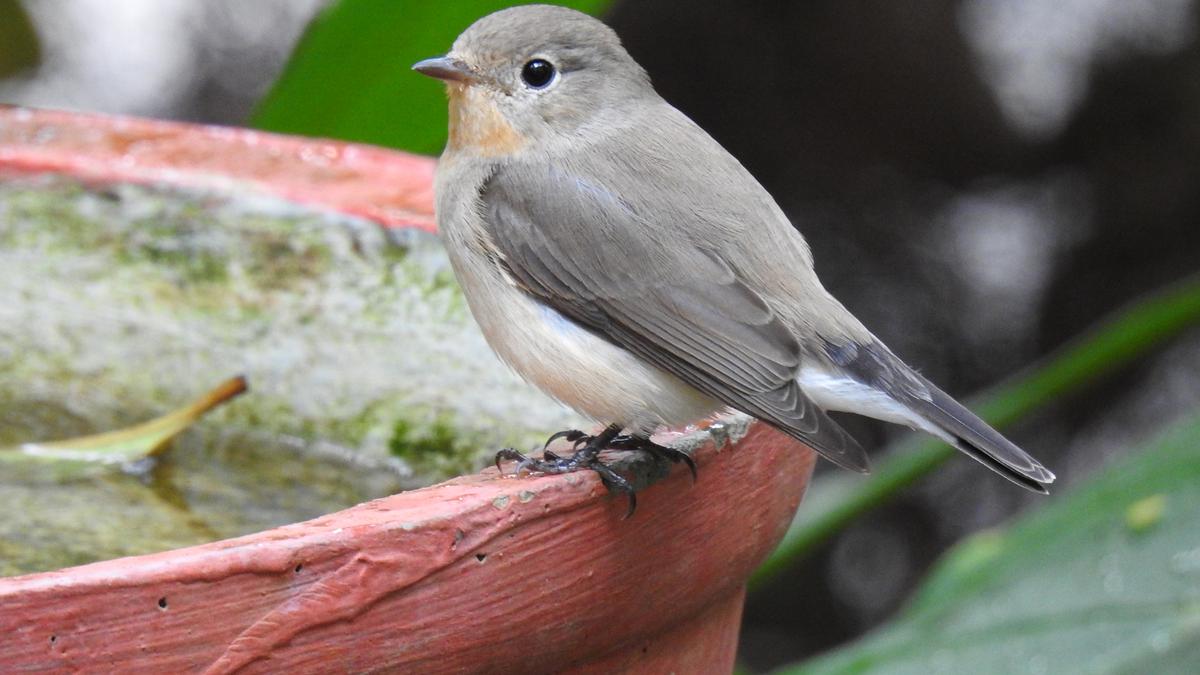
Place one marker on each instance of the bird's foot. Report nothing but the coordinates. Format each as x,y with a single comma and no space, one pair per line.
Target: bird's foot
623,442
657,451
587,456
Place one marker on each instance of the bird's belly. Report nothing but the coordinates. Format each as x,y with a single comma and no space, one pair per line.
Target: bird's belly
584,371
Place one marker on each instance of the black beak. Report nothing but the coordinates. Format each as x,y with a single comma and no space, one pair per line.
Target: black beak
446,68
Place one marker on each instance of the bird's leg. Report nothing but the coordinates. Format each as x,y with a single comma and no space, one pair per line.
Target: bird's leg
633,442
587,457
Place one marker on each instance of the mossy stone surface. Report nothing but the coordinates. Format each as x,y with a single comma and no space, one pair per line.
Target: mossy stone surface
366,372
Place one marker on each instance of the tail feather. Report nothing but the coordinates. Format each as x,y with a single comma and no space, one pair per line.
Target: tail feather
990,462
976,438
933,410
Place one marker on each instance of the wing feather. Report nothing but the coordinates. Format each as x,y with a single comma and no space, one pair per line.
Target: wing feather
577,247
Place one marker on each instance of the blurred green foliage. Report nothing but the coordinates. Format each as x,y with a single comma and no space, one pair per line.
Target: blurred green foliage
351,78
1077,587
1130,334
19,47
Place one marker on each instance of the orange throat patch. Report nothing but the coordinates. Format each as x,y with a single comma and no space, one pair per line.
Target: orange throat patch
477,127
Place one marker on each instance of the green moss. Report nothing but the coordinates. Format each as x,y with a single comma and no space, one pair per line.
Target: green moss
192,267
435,448
409,443
128,300
341,326
393,254
281,260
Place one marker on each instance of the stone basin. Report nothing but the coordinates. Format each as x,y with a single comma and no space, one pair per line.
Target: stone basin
123,291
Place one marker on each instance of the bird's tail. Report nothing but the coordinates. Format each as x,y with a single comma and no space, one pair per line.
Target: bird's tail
965,431
934,411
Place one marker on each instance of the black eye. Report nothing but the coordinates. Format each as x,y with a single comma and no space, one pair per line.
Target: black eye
538,73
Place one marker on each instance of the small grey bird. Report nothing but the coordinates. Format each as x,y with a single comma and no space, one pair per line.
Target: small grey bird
620,259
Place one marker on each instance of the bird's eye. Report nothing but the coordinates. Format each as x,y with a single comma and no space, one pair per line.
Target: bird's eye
538,73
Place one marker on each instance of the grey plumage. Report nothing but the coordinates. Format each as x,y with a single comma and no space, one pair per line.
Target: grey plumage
575,245
876,366
619,257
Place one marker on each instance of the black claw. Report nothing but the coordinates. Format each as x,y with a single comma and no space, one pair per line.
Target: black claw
691,465
509,453
618,483
572,435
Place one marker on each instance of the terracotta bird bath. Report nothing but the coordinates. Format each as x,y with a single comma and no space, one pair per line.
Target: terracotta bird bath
476,574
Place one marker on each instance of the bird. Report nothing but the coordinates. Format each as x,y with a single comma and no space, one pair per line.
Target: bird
620,259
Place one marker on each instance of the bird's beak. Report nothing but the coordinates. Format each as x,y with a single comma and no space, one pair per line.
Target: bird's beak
446,68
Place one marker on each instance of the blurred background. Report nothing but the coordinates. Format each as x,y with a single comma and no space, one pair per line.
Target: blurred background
980,180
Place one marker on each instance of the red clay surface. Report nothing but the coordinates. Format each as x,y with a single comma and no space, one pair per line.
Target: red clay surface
479,574
385,186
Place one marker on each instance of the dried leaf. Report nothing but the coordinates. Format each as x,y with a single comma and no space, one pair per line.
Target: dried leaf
131,443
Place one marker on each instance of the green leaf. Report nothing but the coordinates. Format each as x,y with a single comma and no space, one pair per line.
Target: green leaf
18,42
1127,335
131,443
351,78
1075,588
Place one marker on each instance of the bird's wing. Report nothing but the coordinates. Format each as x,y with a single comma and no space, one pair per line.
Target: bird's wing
571,243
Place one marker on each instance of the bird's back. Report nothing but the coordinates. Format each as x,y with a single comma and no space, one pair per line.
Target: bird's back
687,187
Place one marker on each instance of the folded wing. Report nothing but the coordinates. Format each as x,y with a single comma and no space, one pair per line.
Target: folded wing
572,243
